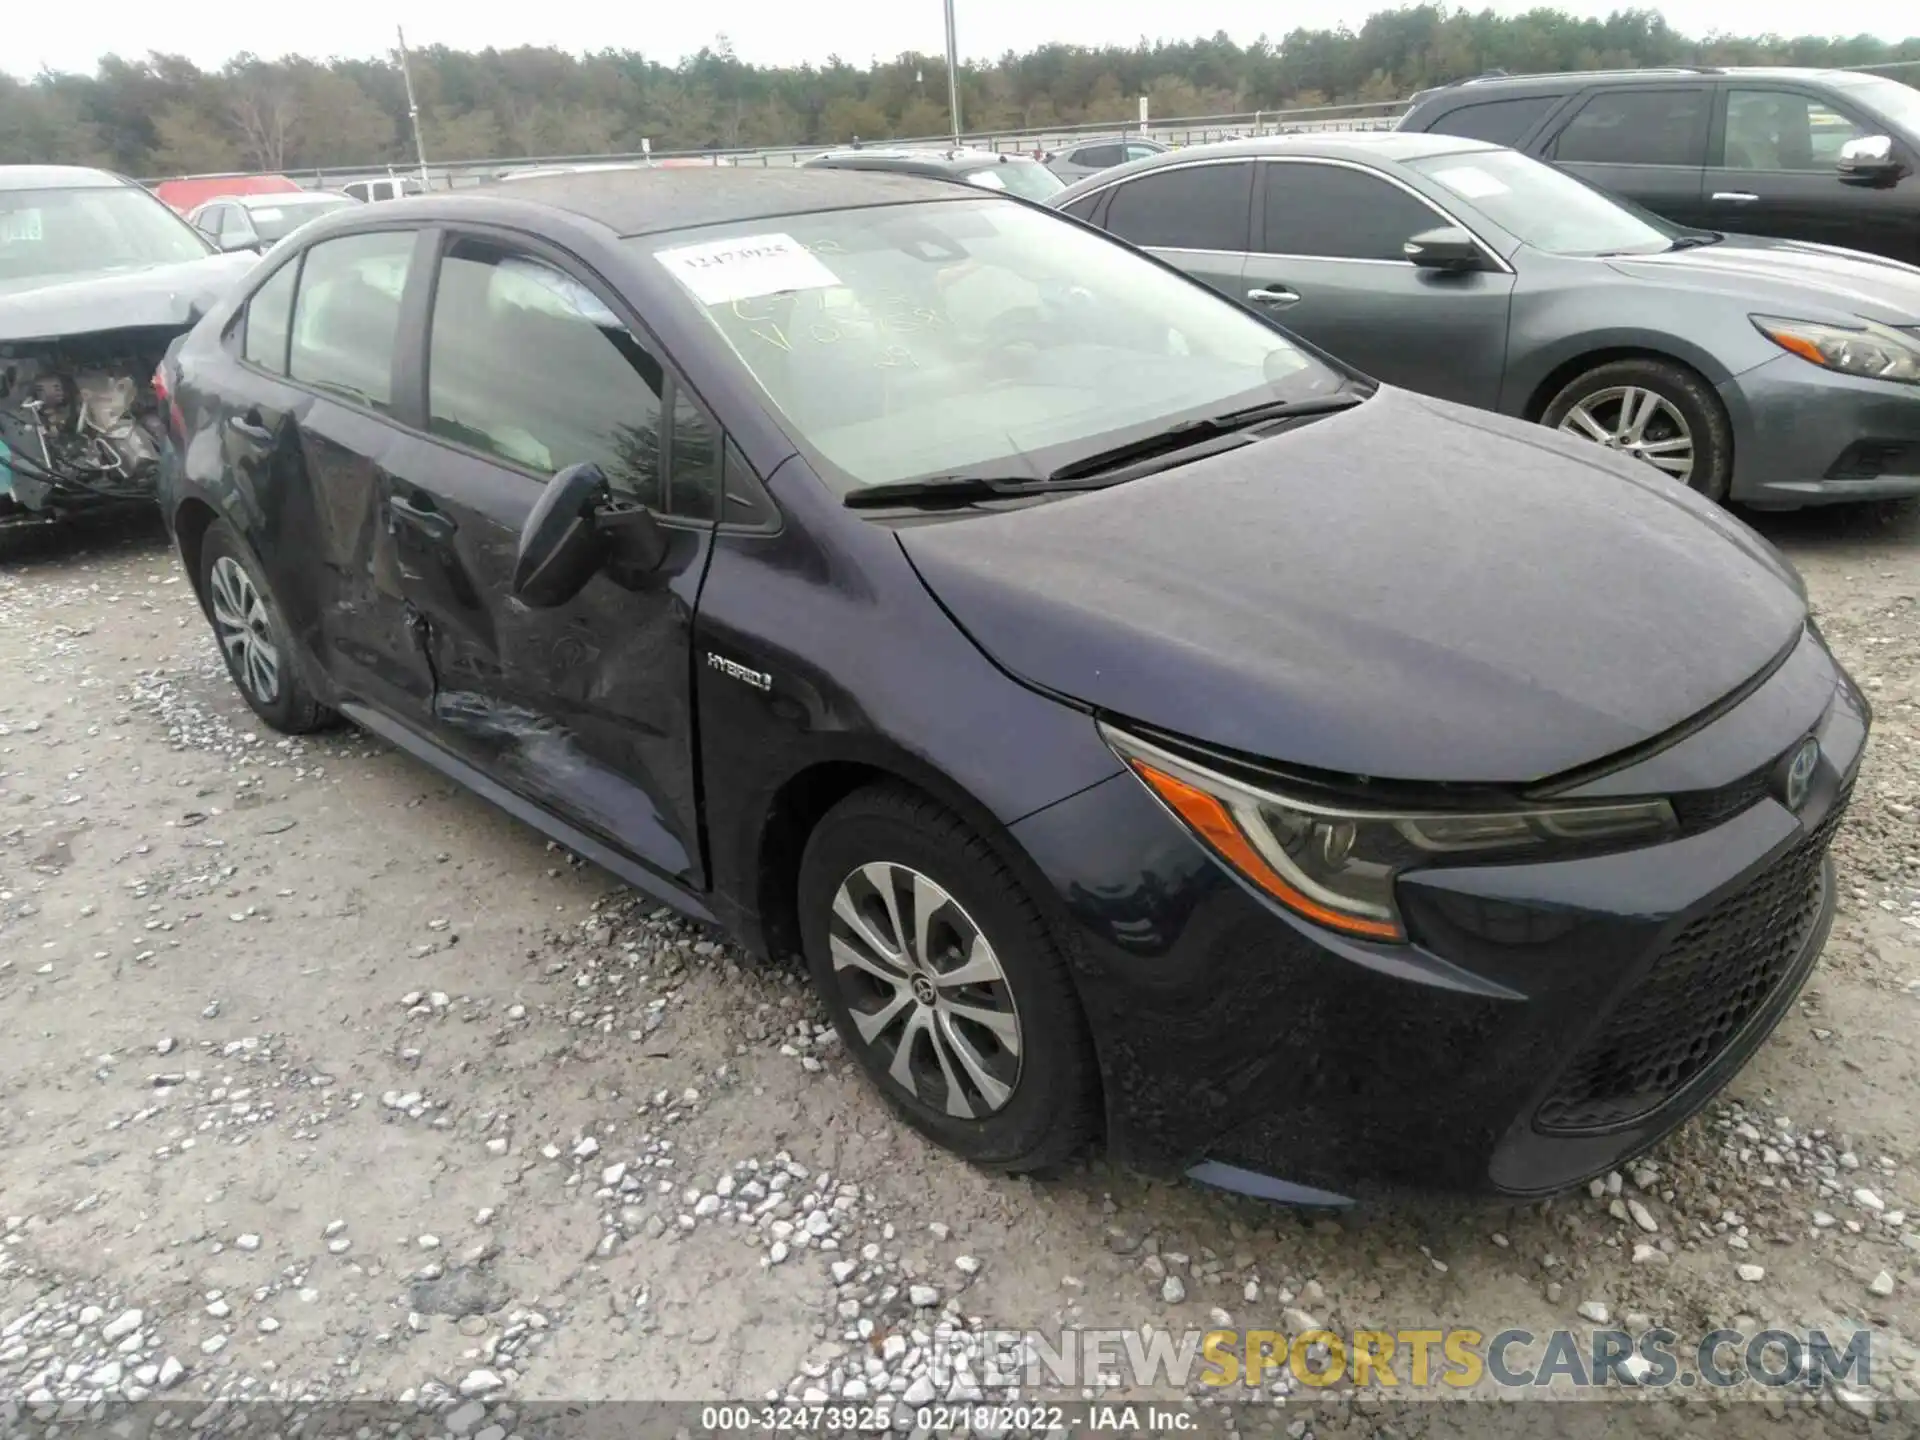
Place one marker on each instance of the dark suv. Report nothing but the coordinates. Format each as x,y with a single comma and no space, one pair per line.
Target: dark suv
1828,156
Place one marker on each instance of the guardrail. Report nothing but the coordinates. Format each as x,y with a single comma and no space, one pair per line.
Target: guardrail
1190,130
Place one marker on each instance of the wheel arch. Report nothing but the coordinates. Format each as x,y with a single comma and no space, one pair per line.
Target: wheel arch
1549,384
192,518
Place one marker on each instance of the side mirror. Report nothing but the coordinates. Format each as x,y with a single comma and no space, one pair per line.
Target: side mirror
1868,158
575,528
1446,248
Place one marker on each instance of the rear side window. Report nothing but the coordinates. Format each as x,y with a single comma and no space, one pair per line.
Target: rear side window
1137,151
269,314
1340,214
525,364
1192,207
1099,156
347,315
1642,126
1499,122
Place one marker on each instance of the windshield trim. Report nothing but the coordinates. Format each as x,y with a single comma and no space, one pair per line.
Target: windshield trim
835,477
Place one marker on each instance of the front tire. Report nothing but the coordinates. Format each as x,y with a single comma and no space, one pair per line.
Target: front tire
253,637
1655,411
944,982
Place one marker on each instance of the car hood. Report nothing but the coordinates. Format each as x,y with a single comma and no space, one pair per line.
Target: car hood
1789,273
155,297
1407,590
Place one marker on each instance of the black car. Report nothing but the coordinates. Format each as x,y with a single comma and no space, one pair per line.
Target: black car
1144,728
97,277
988,169
1828,156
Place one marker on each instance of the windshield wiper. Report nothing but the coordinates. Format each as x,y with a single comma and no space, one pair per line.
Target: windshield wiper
1695,240
1192,432
952,490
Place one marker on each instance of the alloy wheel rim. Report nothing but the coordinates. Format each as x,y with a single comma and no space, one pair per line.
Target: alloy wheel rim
246,636
1635,421
925,991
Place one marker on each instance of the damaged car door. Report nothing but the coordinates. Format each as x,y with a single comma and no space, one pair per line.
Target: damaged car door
583,707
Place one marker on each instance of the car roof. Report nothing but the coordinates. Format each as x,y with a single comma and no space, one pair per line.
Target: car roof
1655,75
1360,145
649,202
58,177
274,202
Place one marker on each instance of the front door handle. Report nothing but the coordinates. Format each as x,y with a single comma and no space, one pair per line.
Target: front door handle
419,514
1273,295
249,427
1736,197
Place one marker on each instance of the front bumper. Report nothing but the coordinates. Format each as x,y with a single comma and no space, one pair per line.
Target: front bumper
1548,1021
1807,436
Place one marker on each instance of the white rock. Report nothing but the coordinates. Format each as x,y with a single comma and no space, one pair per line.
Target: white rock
248,1242
480,1382
213,1344
219,1309
614,1174
842,1271
967,1264
777,1252
1594,1311
920,1391
497,1145
123,1324
923,1297
1881,1284
1173,1290
1750,1273
586,1149
1642,1216
107,1376
428,1242
1822,1220
268,1324
170,1372
1867,1200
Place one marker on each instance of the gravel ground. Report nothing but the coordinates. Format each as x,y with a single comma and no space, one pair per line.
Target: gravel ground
323,1080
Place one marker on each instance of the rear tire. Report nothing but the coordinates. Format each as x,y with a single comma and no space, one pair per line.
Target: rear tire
1656,411
253,638
919,937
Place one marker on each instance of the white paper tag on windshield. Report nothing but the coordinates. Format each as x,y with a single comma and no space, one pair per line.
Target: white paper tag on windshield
745,269
1472,183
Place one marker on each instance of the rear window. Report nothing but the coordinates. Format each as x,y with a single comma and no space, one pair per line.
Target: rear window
1499,122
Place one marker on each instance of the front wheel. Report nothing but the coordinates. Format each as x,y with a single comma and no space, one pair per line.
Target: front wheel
253,637
1655,411
944,982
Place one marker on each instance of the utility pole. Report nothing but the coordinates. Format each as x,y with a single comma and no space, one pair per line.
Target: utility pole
413,110
953,77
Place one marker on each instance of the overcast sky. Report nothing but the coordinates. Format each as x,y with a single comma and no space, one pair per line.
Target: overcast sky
770,31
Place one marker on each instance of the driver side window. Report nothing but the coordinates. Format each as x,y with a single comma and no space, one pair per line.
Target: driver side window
526,365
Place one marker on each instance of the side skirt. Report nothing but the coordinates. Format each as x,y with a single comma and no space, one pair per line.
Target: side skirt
547,823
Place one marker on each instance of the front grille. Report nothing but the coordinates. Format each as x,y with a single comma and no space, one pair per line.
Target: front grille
1704,809
1697,997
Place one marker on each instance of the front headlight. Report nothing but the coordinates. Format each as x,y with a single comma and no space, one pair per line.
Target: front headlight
1878,352
1336,864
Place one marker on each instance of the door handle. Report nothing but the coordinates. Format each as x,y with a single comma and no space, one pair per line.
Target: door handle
250,428
1273,295
1736,197
419,514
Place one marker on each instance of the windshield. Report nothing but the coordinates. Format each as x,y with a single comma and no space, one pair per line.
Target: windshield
273,222
1547,208
1025,178
1890,100
51,235
971,336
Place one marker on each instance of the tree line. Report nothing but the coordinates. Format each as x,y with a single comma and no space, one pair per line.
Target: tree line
163,115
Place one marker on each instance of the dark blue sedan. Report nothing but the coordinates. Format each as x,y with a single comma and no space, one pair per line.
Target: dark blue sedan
1145,729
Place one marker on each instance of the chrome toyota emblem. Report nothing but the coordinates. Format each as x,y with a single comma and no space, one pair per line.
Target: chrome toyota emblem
1799,773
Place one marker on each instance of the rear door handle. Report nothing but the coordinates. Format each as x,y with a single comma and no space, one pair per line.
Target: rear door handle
250,428
1736,197
1273,295
420,515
